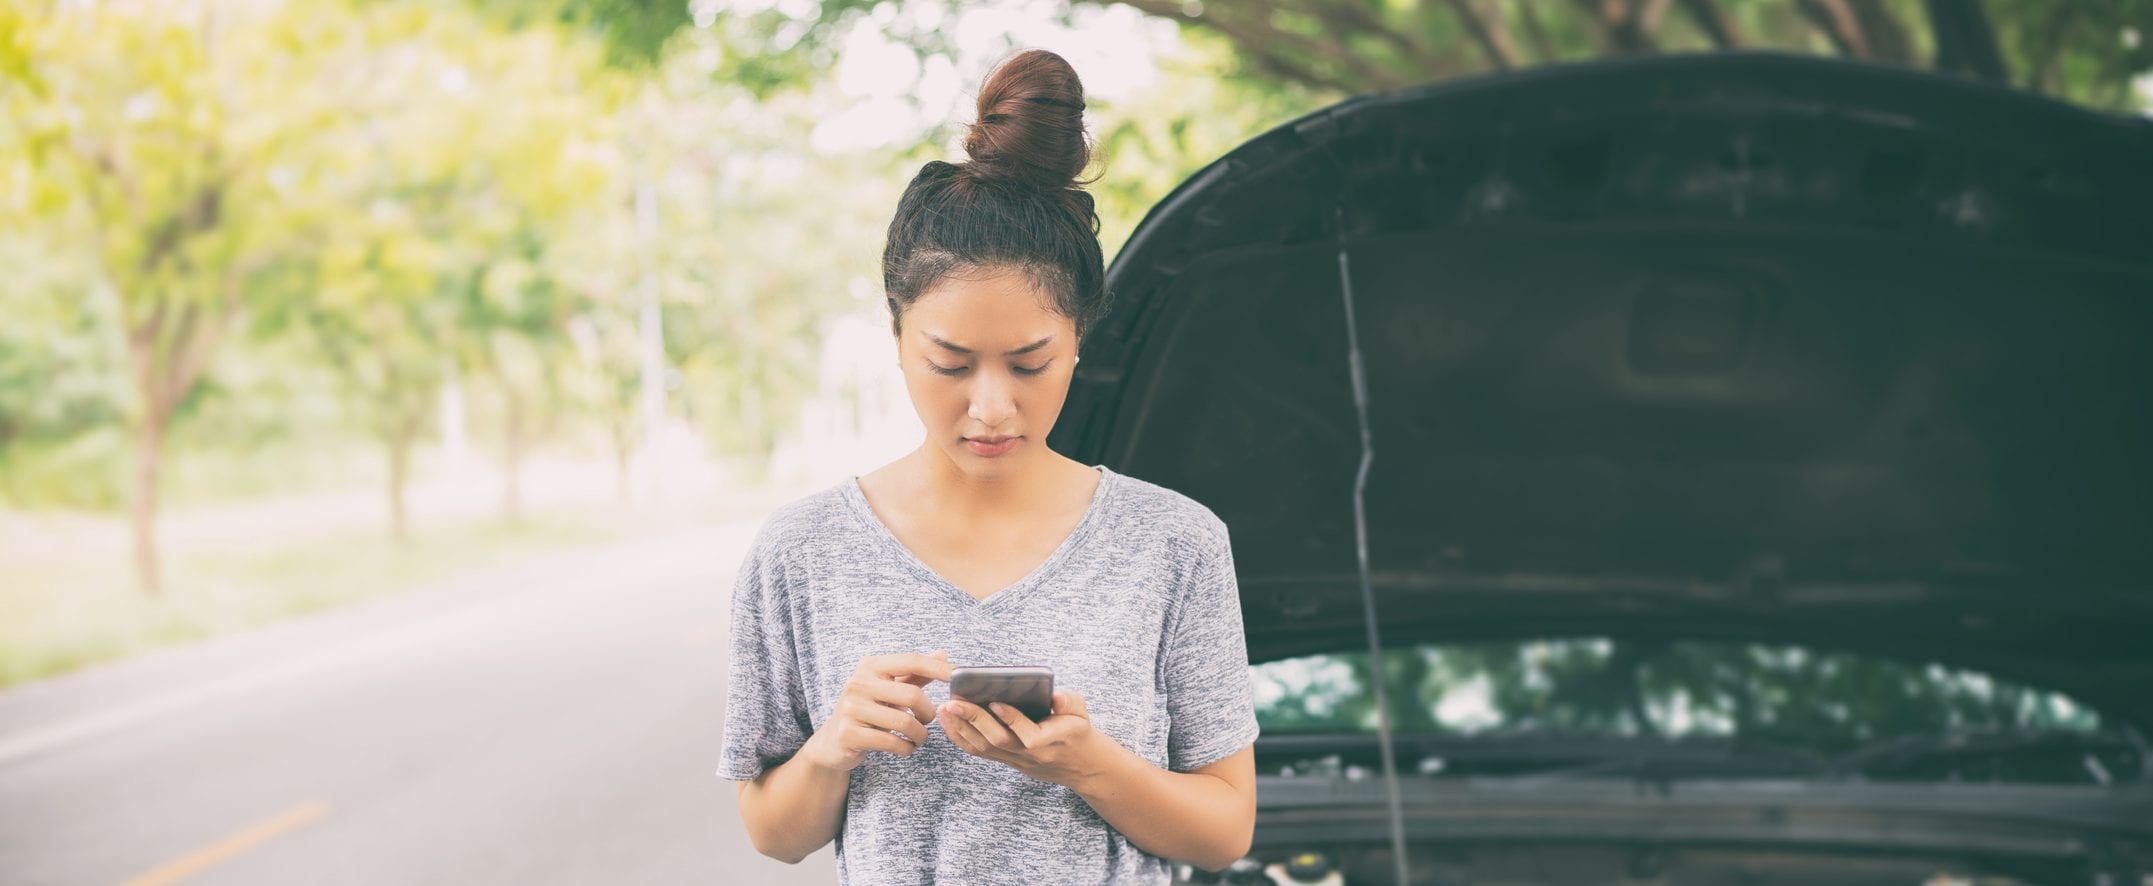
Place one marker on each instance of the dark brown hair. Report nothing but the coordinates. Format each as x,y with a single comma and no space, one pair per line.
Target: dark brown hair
1016,204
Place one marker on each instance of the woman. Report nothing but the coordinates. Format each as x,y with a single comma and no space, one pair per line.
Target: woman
984,547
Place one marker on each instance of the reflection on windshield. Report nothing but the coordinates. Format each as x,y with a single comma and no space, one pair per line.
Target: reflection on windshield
1855,714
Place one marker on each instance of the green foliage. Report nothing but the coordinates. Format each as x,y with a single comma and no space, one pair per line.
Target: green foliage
1831,702
81,470
1150,144
52,332
2078,50
376,192
634,31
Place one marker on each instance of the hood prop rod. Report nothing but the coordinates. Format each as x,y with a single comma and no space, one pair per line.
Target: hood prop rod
1360,537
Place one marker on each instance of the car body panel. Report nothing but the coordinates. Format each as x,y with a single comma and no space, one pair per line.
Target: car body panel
1731,346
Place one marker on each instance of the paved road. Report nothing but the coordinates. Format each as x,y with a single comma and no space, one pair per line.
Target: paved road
556,723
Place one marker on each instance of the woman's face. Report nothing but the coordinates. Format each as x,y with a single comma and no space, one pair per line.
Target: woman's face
985,356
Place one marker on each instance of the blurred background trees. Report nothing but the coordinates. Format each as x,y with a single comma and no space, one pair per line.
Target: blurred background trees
2087,51
250,243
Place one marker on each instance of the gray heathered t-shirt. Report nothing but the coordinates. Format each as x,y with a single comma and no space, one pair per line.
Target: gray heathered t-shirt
1137,611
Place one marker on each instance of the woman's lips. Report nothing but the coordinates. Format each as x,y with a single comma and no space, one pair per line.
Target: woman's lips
991,450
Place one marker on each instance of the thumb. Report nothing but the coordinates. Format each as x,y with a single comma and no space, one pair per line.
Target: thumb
1066,702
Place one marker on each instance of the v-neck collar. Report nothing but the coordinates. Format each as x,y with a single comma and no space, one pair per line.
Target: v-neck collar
1099,499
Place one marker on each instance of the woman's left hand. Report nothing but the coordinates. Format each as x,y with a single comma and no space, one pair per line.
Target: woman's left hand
1058,749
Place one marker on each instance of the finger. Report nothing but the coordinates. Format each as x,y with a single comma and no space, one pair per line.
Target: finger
1066,702
960,732
990,729
894,719
1020,725
964,734
921,668
904,697
857,736
924,679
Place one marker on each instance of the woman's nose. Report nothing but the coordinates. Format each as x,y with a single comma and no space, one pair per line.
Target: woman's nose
993,399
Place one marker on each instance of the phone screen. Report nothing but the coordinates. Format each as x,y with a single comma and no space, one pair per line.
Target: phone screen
1028,688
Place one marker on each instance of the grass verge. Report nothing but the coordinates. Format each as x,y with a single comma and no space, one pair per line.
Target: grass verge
59,613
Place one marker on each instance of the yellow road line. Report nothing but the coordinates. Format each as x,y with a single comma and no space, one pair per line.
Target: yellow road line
201,859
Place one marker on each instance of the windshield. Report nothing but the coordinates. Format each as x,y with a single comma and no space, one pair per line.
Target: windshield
1607,706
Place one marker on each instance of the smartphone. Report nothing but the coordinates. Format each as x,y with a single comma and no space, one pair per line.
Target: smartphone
1028,688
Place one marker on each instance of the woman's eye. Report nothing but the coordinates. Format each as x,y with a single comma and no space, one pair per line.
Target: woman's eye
959,370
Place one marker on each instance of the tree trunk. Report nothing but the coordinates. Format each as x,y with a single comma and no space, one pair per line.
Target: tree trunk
400,441
149,450
512,455
1714,23
1964,40
620,460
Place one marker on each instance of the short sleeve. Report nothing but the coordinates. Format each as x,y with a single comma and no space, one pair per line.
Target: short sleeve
1210,696
766,713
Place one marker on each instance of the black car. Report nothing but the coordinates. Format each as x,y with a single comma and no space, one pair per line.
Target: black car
1757,482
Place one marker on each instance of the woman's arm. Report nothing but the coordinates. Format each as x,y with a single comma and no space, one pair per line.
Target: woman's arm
1206,816
795,807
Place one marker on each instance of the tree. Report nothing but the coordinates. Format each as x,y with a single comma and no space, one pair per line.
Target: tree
526,150
1258,64
379,305
1349,47
2081,50
761,241
753,240
172,141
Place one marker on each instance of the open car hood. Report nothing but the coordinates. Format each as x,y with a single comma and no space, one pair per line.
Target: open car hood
1742,346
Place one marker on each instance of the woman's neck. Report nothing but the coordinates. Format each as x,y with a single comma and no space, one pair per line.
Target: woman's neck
1014,489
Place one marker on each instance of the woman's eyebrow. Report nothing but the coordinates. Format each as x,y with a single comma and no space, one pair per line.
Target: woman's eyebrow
964,350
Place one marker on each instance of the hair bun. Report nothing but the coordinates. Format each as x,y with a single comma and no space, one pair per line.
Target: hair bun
1031,123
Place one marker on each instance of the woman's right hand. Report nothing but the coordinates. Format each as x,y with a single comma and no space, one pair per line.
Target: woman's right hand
884,694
